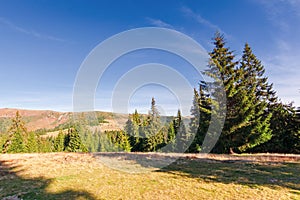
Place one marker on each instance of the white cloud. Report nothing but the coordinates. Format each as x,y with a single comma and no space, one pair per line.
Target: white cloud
282,61
282,13
283,70
198,18
159,23
188,12
29,32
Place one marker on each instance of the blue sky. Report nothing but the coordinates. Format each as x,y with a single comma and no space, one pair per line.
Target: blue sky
44,42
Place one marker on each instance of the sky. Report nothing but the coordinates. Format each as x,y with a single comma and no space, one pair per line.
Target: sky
44,42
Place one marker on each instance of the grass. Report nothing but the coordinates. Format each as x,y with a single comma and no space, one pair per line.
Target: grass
83,176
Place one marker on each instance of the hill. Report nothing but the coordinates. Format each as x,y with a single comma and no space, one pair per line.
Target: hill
49,120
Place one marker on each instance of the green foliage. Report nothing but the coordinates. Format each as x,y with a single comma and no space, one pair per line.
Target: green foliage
16,144
73,142
253,113
3,139
106,144
201,109
181,133
286,134
32,143
119,139
45,145
248,94
59,142
17,133
134,128
255,120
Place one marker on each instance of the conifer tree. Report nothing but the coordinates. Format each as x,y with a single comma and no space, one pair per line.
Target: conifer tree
247,122
133,128
123,141
249,99
17,144
17,135
73,142
59,141
45,145
151,128
32,143
106,144
171,136
255,94
222,63
286,131
202,103
154,122
181,133
195,112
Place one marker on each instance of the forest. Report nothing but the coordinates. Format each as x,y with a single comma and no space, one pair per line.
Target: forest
256,120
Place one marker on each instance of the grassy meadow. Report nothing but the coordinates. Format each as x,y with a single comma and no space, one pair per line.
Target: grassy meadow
192,176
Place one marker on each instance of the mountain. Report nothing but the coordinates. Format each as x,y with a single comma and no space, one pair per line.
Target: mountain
49,120
52,121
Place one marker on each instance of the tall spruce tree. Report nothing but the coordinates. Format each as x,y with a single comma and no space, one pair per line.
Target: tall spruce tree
247,98
195,113
151,128
222,64
16,142
203,103
182,137
254,95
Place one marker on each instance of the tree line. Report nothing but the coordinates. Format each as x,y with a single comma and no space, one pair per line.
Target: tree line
256,120
76,138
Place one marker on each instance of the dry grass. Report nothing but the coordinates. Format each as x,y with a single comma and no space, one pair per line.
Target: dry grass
83,176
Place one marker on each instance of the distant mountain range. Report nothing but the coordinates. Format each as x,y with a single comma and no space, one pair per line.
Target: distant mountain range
52,121
49,120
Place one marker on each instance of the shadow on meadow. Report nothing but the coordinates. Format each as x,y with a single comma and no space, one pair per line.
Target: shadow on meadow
245,172
14,186
252,171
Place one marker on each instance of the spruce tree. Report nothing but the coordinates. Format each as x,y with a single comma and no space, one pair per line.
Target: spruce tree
123,141
247,97
73,142
133,128
171,137
202,103
181,133
32,143
17,136
222,64
59,145
195,113
286,131
45,145
17,144
151,128
254,95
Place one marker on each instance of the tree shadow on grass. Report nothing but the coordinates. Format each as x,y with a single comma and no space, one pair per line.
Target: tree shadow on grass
244,172
252,171
15,187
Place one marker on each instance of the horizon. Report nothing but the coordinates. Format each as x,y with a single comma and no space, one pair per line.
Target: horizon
43,45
